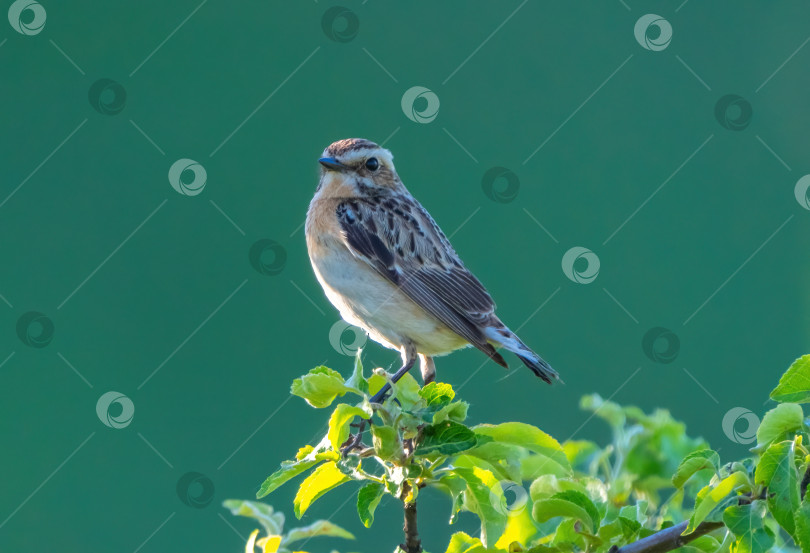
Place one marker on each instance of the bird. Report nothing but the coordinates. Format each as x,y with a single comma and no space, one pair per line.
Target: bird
388,268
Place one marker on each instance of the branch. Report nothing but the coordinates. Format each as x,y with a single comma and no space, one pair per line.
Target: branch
667,539
412,542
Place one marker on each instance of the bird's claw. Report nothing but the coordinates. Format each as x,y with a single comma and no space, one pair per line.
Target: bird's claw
355,441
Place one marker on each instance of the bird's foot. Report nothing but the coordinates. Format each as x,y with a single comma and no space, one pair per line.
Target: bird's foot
355,441
380,397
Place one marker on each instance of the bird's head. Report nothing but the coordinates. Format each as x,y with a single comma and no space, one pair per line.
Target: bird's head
357,167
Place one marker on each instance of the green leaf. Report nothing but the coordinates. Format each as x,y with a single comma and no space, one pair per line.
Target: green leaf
306,458
464,543
386,442
288,470
456,412
568,537
326,477
802,519
406,390
437,394
622,530
272,522
455,486
320,386
367,500
483,497
471,458
375,383
570,504
520,527
777,471
696,461
783,419
317,528
637,512
654,445
710,498
745,522
579,453
794,386
303,452
505,459
357,380
446,438
706,544
551,458
339,422
548,485
609,411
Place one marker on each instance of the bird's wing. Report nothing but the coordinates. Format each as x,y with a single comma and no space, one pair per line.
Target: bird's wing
400,240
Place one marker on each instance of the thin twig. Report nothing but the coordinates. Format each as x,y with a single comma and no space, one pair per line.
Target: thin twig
412,542
667,539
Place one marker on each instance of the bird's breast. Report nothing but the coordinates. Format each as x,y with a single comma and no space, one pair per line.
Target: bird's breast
367,299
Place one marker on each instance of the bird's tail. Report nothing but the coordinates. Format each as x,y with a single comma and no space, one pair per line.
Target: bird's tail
502,336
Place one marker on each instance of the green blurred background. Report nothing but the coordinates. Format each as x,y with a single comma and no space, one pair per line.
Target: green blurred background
690,199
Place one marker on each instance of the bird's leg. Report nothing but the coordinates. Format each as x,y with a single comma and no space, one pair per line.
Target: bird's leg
408,361
355,440
428,368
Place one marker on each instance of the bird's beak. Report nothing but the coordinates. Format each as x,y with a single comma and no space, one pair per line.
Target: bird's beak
331,164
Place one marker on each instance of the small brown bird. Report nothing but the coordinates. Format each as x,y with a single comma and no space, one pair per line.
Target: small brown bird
388,268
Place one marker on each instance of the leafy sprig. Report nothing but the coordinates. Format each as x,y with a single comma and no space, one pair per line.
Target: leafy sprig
652,488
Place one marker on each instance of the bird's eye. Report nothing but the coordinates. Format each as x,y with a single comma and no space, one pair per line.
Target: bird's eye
372,164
